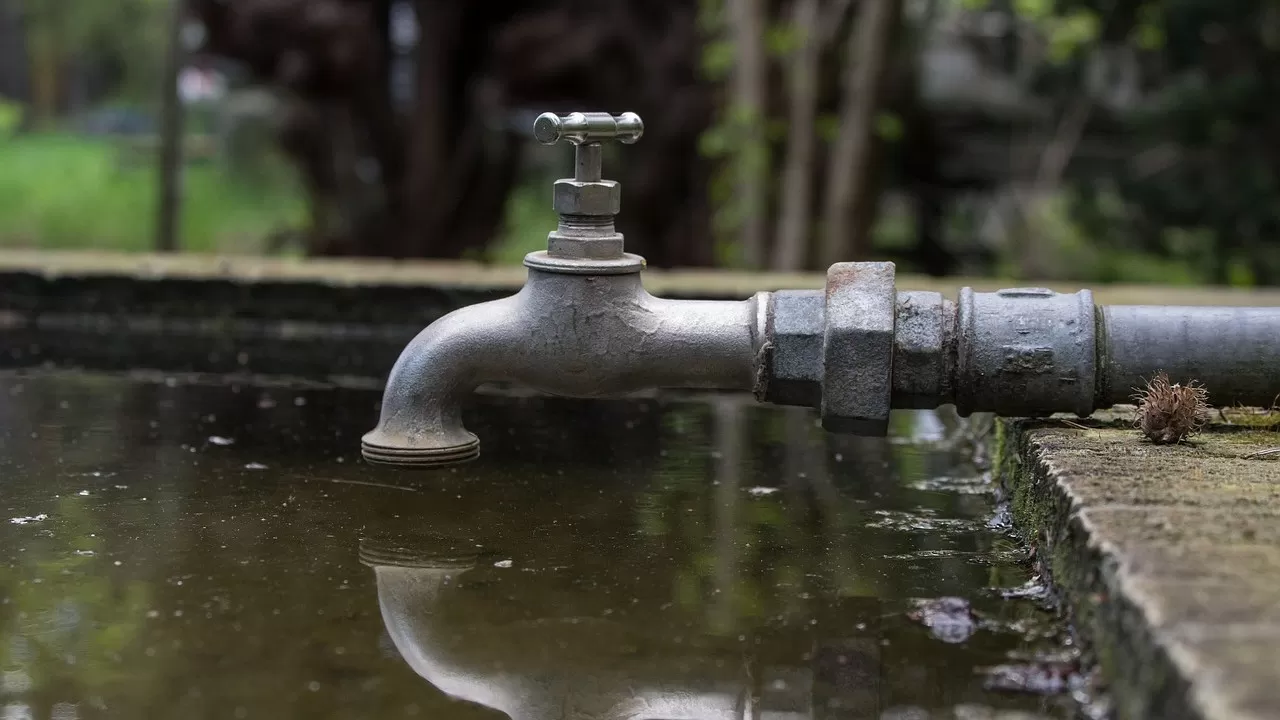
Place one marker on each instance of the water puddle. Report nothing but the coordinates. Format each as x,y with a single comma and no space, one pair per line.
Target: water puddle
208,549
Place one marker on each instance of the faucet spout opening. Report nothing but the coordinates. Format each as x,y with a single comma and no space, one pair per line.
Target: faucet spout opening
419,457
421,418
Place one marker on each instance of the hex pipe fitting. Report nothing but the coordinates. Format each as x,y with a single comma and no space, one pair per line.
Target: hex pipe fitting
857,348
924,333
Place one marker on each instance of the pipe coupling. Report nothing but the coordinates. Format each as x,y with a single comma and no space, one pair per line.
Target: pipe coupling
1025,352
860,347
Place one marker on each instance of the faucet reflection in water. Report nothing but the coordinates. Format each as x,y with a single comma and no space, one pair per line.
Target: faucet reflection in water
533,666
595,634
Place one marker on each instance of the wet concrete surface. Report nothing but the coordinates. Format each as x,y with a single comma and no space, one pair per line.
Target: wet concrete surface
209,548
1170,556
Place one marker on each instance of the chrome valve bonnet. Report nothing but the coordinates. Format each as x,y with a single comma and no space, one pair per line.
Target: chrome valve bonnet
585,241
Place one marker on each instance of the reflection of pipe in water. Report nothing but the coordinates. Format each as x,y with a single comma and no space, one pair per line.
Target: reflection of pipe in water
545,667
729,428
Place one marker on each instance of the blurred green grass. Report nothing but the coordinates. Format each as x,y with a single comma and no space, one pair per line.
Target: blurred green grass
529,217
61,191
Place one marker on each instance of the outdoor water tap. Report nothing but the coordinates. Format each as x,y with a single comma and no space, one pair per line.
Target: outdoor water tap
582,325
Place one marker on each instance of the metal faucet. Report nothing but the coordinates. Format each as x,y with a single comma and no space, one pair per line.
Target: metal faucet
583,326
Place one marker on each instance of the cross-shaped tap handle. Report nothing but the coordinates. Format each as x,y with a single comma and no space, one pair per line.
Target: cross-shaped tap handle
587,132
582,128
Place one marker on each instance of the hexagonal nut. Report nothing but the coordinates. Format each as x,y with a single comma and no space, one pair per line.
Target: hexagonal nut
574,197
857,348
793,372
919,349
586,248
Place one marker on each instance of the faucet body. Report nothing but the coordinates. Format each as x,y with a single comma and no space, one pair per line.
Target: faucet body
562,334
584,326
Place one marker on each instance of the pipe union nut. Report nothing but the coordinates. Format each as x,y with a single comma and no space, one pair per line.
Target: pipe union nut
795,325
577,197
857,348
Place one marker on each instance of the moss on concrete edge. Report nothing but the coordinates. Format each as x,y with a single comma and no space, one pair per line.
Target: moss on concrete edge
1142,678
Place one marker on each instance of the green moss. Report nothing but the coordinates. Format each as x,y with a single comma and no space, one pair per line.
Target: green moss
1253,418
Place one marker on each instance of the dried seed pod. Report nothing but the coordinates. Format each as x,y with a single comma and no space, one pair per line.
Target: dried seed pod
1169,413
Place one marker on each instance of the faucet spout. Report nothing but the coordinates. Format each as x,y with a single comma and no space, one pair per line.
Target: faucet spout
562,334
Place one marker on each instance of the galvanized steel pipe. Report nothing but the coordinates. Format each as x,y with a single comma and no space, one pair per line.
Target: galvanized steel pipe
1233,351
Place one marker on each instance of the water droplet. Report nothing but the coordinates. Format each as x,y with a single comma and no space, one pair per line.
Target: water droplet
502,564
84,492
313,686
761,491
221,441
255,466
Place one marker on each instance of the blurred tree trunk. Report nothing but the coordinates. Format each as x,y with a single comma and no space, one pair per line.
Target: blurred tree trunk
849,210
15,60
171,137
790,251
1035,258
747,110
45,61
434,130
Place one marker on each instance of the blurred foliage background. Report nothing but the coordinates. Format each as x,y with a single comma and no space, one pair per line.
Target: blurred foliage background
1084,140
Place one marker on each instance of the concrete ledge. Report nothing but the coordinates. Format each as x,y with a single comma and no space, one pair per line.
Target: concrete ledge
476,277
1169,558
318,317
